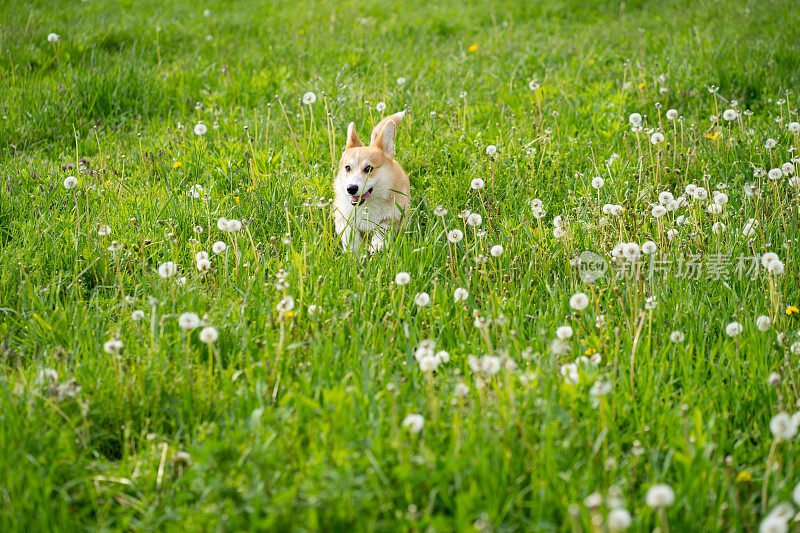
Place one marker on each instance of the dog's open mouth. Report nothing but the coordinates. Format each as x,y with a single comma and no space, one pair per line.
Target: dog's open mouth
361,199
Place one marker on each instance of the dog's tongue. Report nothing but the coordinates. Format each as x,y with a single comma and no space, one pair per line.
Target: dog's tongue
363,198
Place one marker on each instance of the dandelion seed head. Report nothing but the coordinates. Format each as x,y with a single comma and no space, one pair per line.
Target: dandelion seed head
579,301
167,269
783,426
285,305
209,335
460,294
564,332
113,346
474,220
309,98
730,114
189,321
676,336
733,329
455,235
660,495
413,423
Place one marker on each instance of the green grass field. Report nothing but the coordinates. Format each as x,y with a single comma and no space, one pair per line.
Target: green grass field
669,401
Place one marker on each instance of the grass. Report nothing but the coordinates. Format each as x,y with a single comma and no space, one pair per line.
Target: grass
295,420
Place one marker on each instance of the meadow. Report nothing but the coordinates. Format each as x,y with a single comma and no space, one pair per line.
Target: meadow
590,322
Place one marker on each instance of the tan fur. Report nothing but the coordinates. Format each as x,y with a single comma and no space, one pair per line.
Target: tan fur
389,199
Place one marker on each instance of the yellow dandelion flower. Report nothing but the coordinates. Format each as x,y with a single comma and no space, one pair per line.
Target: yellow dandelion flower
289,314
589,351
473,48
744,476
591,61
713,136
642,85
176,164
237,199
792,310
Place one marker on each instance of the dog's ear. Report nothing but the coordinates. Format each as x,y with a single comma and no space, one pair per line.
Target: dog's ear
384,133
352,139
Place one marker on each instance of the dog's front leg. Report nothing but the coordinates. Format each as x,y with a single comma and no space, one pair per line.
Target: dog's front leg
379,236
351,239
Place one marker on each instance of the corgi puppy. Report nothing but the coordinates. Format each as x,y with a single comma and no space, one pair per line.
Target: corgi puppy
372,193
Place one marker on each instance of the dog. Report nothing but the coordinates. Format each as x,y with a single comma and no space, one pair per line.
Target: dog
371,191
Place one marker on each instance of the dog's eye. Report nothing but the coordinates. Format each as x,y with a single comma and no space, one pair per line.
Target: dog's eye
347,168
367,169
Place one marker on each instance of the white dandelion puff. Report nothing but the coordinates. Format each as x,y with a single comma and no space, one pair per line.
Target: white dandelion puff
285,305
414,423
733,329
209,335
189,321
474,220
783,426
309,98
564,332
649,247
455,235
579,301
730,114
660,495
113,346
167,269
763,323
676,337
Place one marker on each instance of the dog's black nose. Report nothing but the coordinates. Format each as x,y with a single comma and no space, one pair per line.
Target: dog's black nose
352,189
